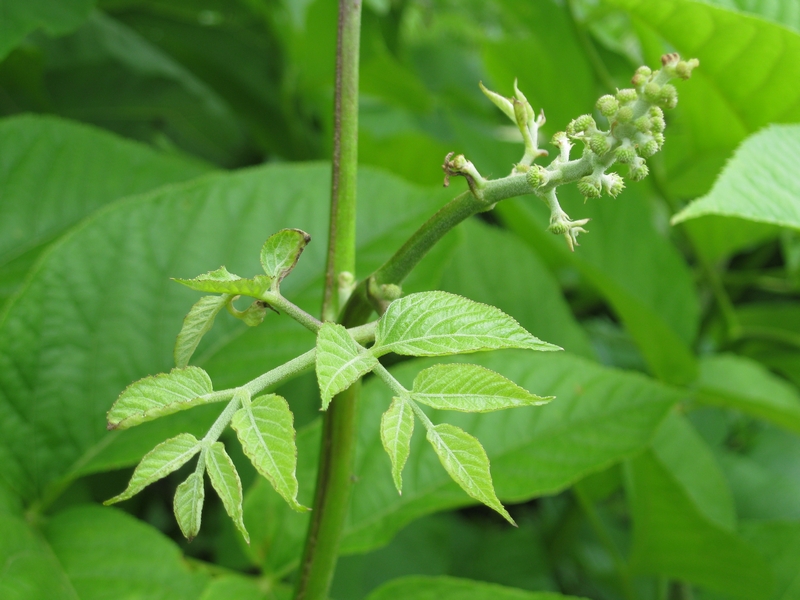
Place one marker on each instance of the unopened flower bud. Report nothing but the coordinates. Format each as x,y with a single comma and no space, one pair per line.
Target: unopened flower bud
657,124
652,92
643,124
627,95
684,68
581,124
536,176
659,138
559,138
625,154
648,148
558,227
613,183
589,186
668,97
607,105
624,114
599,144
638,170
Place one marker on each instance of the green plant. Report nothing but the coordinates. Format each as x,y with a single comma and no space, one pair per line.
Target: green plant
661,449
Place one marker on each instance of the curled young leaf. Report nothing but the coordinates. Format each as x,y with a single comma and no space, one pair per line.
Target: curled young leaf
465,460
221,281
281,252
397,426
225,481
195,325
438,323
470,388
188,505
162,460
265,429
159,395
340,361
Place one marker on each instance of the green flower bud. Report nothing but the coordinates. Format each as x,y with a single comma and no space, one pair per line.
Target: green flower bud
668,98
685,67
657,124
613,184
625,154
559,138
643,124
607,105
590,187
652,92
558,227
624,114
648,148
627,95
659,138
644,71
537,176
638,170
599,144
656,112
581,124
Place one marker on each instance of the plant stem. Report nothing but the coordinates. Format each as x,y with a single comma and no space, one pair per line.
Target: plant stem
605,538
342,232
337,449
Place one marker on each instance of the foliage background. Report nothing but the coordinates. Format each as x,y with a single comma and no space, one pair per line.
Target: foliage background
148,139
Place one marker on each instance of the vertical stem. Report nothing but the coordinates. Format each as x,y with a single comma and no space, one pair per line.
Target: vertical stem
342,234
337,450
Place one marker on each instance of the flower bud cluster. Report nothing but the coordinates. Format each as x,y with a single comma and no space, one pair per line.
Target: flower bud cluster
635,132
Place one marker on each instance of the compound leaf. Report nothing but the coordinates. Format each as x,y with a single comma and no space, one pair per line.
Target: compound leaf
188,505
470,388
225,480
221,281
465,460
162,460
397,425
266,431
438,323
340,361
159,395
281,251
196,324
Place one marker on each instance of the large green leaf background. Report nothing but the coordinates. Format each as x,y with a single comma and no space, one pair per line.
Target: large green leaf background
687,470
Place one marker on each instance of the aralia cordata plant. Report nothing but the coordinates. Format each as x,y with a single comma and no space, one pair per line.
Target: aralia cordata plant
421,324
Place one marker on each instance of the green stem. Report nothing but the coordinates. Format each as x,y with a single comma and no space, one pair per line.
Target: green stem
339,433
342,233
605,538
298,314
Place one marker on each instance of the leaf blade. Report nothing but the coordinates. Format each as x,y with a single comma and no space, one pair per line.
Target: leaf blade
397,426
266,431
340,361
464,458
439,323
281,251
470,388
196,324
159,395
221,281
188,505
226,482
162,460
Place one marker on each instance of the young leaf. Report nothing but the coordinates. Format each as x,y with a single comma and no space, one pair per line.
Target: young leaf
162,460
266,431
226,482
465,460
223,282
188,505
438,323
470,388
195,325
281,251
397,425
340,361
159,395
